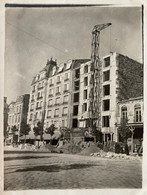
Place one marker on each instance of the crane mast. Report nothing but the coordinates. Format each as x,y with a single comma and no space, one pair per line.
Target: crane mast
96,79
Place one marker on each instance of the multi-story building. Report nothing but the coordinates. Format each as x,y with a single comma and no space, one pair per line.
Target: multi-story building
132,110
56,101
17,113
121,80
38,94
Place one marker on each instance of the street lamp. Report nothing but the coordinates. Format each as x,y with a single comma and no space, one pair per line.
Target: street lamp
132,133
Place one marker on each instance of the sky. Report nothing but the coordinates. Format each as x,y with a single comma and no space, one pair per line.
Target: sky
33,35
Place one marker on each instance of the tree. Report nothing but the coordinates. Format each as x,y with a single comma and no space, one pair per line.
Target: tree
39,130
24,129
50,130
124,130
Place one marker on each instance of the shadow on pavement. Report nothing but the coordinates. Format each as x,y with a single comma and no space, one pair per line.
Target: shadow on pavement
56,168
25,157
21,152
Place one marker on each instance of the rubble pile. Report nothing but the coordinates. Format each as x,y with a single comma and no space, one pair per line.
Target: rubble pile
47,147
88,148
112,155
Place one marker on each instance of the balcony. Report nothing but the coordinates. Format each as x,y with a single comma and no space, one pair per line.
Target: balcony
67,79
65,102
49,106
58,93
57,104
32,100
39,98
48,116
66,91
39,88
33,91
51,85
38,108
56,116
31,110
50,95
58,82
64,114
30,119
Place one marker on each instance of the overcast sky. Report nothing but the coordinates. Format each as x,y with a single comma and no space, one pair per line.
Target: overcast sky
34,35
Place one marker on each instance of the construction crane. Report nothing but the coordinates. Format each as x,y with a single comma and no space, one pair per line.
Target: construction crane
96,79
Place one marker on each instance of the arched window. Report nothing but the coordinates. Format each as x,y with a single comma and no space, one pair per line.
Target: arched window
124,113
137,113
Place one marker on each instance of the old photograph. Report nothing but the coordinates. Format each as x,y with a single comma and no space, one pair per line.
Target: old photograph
73,97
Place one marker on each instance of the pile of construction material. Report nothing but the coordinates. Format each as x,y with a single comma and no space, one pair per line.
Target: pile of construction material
112,155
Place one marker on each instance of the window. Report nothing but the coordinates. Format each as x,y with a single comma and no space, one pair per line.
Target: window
36,115
57,100
66,87
106,90
76,97
33,88
84,107
20,109
51,92
75,110
105,121
65,98
85,94
85,81
57,112
75,123
47,124
65,110
66,76
37,105
86,69
124,113
106,75
76,85
77,73
32,97
31,116
58,90
40,115
49,112
39,85
32,106
106,105
137,113
50,102
107,62
39,95
41,104
58,79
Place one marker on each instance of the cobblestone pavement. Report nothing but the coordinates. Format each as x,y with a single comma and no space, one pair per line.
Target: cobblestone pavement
32,170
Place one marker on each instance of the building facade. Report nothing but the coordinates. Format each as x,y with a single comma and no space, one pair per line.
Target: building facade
17,113
132,110
121,80
56,101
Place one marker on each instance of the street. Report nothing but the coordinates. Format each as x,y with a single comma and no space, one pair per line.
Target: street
41,170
